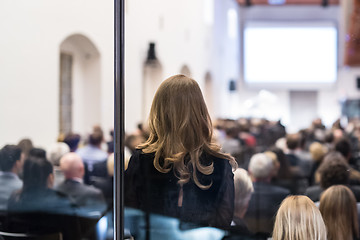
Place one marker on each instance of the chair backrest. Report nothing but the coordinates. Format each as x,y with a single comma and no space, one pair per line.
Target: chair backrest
26,236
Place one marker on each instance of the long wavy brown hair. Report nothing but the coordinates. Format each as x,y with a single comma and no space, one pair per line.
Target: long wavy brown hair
181,129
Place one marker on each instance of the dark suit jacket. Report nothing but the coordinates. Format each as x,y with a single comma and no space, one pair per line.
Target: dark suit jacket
86,197
263,206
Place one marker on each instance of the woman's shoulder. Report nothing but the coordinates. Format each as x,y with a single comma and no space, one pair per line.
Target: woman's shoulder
207,158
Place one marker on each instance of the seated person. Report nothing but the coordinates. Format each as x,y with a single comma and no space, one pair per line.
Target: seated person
86,197
298,219
338,209
10,166
333,171
56,151
266,197
36,194
38,208
343,146
243,190
92,153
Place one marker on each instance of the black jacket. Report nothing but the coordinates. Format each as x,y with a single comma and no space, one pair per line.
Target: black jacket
152,191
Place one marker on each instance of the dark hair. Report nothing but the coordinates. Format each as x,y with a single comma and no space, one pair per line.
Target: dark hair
343,146
9,154
72,140
334,171
329,137
96,138
292,141
284,170
37,152
36,172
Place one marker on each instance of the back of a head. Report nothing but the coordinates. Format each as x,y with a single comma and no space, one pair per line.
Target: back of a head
25,145
36,172
56,151
298,219
261,166
72,166
72,140
179,113
343,146
317,151
339,211
180,125
96,138
9,154
37,152
293,141
333,172
243,188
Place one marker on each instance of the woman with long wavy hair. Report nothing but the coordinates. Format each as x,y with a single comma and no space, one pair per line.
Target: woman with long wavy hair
338,208
179,171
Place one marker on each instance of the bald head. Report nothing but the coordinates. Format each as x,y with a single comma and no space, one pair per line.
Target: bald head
72,166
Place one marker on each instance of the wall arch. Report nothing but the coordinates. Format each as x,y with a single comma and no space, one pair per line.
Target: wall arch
80,84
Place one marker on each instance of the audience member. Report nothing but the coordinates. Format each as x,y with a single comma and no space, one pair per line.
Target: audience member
37,152
110,144
266,197
275,161
10,166
38,207
179,171
72,140
338,209
343,146
132,141
106,184
56,151
333,171
36,194
92,152
243,190
318,152
25,145
286,176
231,143
298,219
292,143
87,197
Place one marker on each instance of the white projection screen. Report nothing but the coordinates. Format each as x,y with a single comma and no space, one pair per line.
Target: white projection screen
296,55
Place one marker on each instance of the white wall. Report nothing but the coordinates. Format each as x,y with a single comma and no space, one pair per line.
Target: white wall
181,36
185,33
31,34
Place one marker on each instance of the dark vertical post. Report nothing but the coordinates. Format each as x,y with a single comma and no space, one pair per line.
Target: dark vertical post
119,109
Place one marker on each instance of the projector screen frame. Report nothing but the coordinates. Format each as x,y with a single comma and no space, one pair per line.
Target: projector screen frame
288,85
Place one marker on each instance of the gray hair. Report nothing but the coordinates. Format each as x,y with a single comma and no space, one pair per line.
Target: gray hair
56,151
243,188
261,166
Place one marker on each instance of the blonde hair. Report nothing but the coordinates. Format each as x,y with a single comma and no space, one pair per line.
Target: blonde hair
180,130
317,151
339,211
297,219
